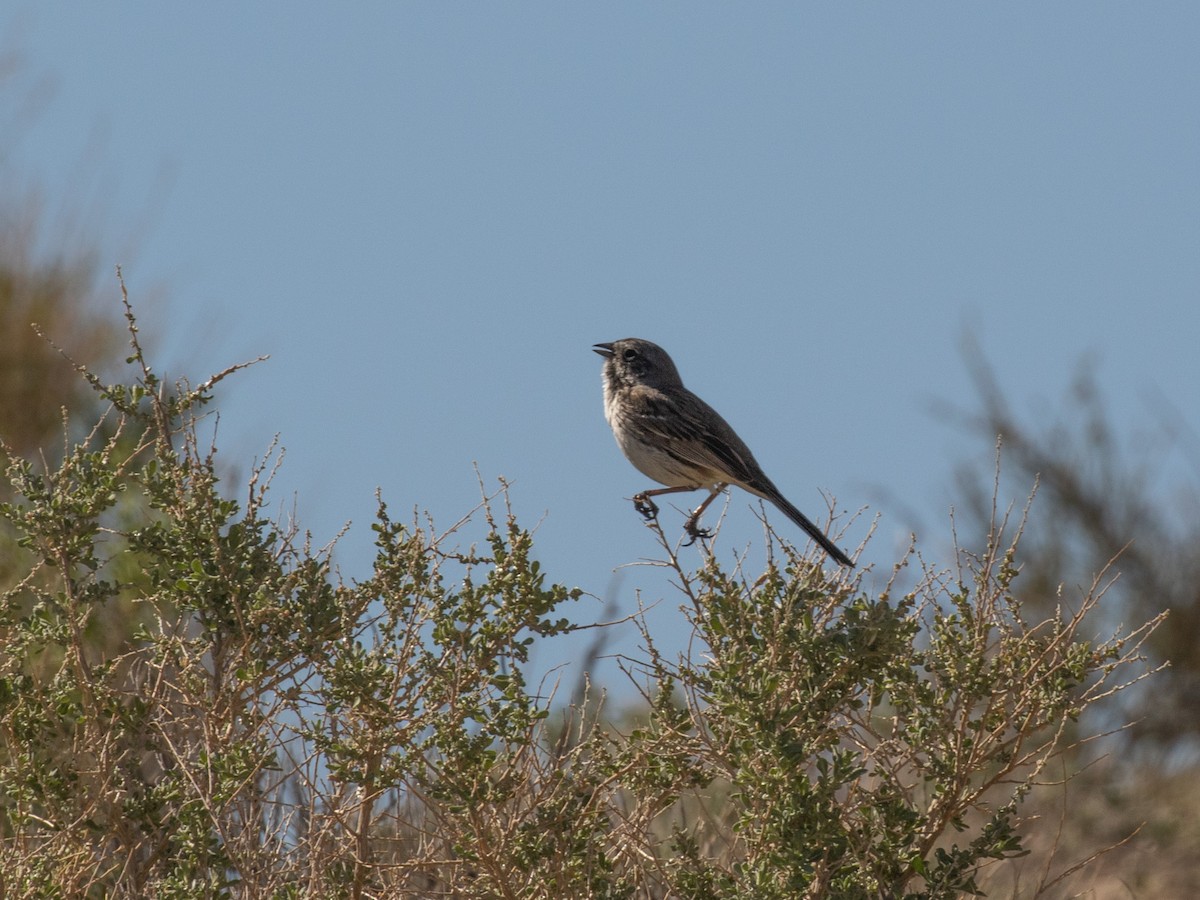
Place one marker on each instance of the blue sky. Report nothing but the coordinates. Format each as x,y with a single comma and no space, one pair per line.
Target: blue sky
426,214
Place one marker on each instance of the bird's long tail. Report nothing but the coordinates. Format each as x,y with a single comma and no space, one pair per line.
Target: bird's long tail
812,530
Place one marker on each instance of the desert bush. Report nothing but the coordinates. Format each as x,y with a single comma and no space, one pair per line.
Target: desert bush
270,730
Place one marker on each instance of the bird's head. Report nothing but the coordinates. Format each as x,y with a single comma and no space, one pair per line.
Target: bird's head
632,361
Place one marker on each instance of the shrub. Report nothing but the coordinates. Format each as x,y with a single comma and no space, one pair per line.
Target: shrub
264,729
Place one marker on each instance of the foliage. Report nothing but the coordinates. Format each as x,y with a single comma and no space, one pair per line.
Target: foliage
1107,491
270,731
881,746
49,278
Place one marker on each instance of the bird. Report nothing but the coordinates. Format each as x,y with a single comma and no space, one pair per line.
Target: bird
673,437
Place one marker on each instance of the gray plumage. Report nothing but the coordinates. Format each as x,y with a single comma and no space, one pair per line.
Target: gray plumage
678,440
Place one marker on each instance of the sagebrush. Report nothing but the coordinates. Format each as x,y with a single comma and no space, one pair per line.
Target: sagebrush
192,704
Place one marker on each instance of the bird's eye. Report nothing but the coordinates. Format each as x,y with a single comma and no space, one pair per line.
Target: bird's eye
629,354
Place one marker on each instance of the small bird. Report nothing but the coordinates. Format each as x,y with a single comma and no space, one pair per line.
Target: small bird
674,437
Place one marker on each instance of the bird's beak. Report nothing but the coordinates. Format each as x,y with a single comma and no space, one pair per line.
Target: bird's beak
604,350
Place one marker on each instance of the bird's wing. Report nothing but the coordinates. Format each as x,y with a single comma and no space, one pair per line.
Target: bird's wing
695,432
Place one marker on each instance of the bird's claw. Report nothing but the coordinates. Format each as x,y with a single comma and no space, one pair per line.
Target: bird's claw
694,531
645,506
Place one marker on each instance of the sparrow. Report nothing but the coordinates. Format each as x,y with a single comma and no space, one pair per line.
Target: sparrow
678,440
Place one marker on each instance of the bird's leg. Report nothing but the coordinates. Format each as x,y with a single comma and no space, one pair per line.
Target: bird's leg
648,508
692,525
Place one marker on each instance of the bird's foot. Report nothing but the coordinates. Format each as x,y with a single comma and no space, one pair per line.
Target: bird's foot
645,506
694,531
